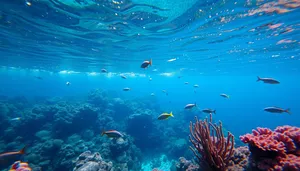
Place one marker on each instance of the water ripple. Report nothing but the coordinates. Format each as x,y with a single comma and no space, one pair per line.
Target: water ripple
120,34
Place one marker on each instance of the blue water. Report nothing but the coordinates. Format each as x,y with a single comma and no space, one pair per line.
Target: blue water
222,46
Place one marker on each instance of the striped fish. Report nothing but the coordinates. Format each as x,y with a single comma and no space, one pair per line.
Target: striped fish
112,134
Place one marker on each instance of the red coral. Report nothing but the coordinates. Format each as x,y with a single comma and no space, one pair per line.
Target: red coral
281,140
210,146
290,162
275,150
292,132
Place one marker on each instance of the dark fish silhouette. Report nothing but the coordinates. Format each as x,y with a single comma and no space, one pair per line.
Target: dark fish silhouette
209,111
276,110
268,80
126,89
37,77
123,76
145,64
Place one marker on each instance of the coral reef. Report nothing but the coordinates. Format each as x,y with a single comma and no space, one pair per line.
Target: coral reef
186,165
274,150
157,163
98,98
57,130
61,134
240,159
177,147
88,161
211,148
125,153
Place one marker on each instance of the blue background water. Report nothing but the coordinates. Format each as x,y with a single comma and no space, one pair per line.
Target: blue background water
241,113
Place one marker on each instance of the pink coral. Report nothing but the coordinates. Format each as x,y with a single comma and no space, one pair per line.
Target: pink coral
275,150
290,162
292,132
281,140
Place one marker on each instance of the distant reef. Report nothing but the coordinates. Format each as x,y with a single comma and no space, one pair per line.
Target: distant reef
57,130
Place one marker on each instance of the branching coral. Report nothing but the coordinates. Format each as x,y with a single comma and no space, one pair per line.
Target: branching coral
211,148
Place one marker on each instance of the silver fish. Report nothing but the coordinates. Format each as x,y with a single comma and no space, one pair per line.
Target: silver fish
276,110
190,106
268,80
225,95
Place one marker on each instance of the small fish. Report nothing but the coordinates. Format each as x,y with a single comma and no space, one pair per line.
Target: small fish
28,3
16,119
196,85
152,94
165,116
209,111
179,76
225,95
268,80
145,64
123,76
173,59
20,166
186,82
37,77
150,79
276,110
8,158
126,89
165,91
190,106
103,70
112,134
68,83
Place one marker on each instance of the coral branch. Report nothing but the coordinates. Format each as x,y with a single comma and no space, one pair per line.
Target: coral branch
210,146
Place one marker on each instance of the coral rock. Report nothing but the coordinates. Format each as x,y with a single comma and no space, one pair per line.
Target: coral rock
89,166
240,159
88,161
186,165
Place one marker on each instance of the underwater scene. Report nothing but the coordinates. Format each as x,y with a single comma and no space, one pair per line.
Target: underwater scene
150,85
